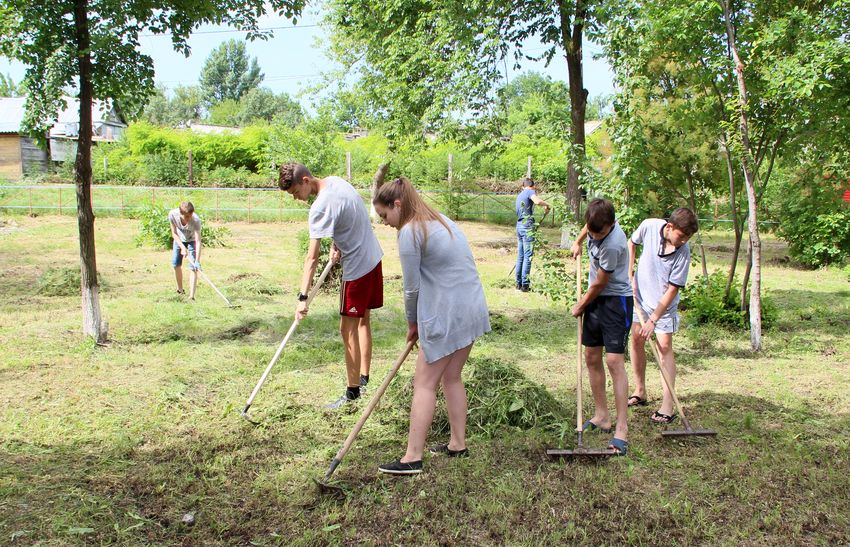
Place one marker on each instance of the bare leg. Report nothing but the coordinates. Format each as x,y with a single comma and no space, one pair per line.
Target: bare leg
596,373
617,367
193,283
638,357
665,345
455,395
364,333
178,273
348,329
425,382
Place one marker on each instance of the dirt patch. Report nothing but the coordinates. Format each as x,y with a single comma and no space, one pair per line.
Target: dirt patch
8,226
498,244
241,331
239,277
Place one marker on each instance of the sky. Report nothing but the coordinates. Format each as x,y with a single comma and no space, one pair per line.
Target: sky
292,60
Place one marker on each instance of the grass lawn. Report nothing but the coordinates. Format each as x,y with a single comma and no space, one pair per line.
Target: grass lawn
116,444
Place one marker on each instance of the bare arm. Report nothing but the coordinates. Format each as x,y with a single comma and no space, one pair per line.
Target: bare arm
593,291
311,262
177,239
660,310
538,201
576,248
197,246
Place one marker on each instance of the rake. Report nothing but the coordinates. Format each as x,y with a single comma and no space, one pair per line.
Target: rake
328,489
313,292
198,269
688,431
580,451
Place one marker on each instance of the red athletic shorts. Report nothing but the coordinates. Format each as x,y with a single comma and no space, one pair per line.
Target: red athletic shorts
365,293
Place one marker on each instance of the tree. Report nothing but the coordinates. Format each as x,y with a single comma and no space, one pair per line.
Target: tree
8,87
229,73
261,104
176,109
421,61
776,71
93,45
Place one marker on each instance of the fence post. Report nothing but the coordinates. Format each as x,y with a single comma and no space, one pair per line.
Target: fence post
30,192
153,196
105,168
122,203
249,208
60,200
217,210
190,167
451,161
348,166
528,169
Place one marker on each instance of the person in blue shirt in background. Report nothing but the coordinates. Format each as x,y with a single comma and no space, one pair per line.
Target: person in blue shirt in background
525,229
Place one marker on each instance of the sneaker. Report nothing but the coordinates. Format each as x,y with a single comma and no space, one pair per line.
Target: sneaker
444,449
525,288
364,381
398,468
347,397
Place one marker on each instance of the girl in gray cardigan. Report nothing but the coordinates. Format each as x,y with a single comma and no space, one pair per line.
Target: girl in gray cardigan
445,308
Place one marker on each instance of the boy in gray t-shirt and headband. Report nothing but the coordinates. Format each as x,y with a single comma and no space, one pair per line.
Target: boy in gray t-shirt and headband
661,272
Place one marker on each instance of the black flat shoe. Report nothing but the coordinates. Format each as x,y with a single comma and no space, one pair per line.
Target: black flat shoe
398,468
444,449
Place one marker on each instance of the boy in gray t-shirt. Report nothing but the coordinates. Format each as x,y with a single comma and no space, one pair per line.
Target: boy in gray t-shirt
661,272
607,311
338,212
186,242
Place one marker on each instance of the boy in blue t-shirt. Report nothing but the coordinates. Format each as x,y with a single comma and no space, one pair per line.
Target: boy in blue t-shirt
525,202
607,308
661,272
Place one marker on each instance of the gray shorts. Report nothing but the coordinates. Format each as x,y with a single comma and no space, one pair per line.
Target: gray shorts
668,323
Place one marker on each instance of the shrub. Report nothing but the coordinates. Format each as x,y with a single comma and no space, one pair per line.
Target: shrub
156,230
813,219
703,301
334,279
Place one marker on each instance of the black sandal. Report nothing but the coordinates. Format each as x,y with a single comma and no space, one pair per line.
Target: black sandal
638,401
661,418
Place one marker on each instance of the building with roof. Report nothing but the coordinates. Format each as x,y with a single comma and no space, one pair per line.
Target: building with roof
20,155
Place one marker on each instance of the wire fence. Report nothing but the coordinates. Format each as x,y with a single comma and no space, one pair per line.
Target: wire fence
224,204
254,204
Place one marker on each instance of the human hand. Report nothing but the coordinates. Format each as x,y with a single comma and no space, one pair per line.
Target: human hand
577,310
301,310
412,332
575,250
647,329
334,254
184,251
195,266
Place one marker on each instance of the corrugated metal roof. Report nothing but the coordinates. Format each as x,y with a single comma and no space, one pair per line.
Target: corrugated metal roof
12,114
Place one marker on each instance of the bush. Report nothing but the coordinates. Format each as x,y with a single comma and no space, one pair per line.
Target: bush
703,301
63,281
156,230
813,219
334,279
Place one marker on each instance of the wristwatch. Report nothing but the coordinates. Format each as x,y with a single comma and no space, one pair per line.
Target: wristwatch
302,297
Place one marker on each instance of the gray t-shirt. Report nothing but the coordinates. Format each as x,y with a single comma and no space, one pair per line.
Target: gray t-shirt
442,290
657,271
339,213
612,255
185,231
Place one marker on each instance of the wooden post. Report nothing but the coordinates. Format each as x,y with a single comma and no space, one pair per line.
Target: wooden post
105,168
60,200
348,166
451,161
249,208
217,210
190,167
528,169
122,203
30,192
153,196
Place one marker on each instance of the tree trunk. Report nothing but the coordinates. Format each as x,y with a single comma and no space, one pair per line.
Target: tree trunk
693,199
571,39
377,182
733,204
93,324
749,179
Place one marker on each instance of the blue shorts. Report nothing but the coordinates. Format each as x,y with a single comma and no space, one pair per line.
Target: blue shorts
177,256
